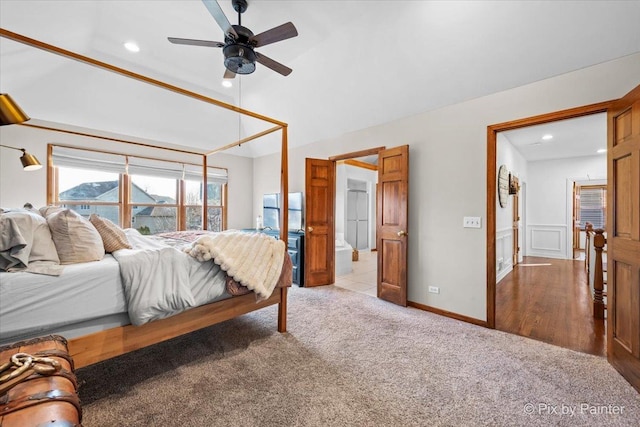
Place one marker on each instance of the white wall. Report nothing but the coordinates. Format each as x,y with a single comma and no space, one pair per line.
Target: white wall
448,174
18,187
516,164
549,202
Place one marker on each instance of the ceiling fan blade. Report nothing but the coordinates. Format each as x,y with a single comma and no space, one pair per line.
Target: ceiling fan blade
274,65
216,11
281,32
228,74
192,42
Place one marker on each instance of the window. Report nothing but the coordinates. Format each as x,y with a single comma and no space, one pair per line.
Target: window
88,191
163,195
593,206
193,205
156,203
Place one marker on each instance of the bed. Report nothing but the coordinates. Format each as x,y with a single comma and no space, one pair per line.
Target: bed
148,289
99,333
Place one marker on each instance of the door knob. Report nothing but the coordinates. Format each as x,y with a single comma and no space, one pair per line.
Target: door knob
310,229
402,233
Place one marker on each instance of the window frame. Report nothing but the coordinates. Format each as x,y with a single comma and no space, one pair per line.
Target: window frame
124,204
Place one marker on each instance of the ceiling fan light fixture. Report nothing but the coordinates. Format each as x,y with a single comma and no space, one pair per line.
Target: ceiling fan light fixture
239,59
227,83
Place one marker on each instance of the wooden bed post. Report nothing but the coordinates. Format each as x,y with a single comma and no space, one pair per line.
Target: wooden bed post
205,196
284,223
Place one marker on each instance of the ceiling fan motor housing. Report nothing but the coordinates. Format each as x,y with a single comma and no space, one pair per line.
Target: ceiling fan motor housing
239,56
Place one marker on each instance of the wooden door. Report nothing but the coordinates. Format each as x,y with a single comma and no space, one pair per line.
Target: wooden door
516,220
392,224
319,246
576,220
623,237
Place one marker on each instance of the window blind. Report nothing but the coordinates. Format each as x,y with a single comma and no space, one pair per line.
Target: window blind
593,206
116,163
91,160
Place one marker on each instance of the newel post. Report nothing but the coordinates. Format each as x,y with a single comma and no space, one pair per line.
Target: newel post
598,275
588,228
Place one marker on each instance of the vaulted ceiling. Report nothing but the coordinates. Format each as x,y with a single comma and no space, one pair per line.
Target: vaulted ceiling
355,63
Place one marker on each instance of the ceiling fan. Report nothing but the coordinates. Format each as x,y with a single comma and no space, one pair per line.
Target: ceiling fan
239,42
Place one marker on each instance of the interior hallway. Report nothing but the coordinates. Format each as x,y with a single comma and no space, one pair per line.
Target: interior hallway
363,278
549,300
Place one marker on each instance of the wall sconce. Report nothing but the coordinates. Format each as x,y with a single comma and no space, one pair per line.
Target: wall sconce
10,114
29,161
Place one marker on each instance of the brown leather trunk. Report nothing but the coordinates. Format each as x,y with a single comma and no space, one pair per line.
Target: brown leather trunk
41,400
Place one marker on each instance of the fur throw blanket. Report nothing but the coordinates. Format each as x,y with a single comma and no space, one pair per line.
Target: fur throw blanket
253,259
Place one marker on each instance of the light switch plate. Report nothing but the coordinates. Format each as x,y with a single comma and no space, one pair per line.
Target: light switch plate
472,222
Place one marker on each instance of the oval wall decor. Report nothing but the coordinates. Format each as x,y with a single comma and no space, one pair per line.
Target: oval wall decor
503,186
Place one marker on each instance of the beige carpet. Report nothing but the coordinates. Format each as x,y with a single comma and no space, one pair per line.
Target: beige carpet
353,360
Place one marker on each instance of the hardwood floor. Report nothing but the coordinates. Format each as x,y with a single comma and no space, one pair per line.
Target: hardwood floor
550,303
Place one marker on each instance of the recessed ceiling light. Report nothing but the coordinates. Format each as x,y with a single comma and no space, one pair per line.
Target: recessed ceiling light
601,150
132,47
227,83
547,137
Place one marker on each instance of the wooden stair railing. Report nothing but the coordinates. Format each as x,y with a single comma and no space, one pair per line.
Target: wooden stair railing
599,241
587,250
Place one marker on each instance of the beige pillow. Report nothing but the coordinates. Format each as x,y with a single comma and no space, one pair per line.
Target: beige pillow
45,211
113,237
24,238
76,239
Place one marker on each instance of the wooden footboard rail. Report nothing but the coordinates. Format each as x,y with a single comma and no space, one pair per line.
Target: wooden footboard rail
99,346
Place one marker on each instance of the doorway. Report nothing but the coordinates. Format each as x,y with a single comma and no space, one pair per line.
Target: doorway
547,257
356,264
392,193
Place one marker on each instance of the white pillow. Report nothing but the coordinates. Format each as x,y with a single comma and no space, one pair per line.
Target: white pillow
25,238
76,239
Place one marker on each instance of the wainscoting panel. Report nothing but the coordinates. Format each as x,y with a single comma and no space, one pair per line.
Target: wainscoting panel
547,240
504,252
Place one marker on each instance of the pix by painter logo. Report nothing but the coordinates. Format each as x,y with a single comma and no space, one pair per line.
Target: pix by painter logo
543,408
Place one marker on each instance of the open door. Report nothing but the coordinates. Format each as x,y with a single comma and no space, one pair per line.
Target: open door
623,237
392,224
576,220
516,220
319,246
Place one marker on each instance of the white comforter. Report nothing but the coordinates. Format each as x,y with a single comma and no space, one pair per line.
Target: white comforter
158,279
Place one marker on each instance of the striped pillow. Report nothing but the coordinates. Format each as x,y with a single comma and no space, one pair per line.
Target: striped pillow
113,237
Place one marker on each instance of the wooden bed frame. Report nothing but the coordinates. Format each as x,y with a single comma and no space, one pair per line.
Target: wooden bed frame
99,346
113,342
